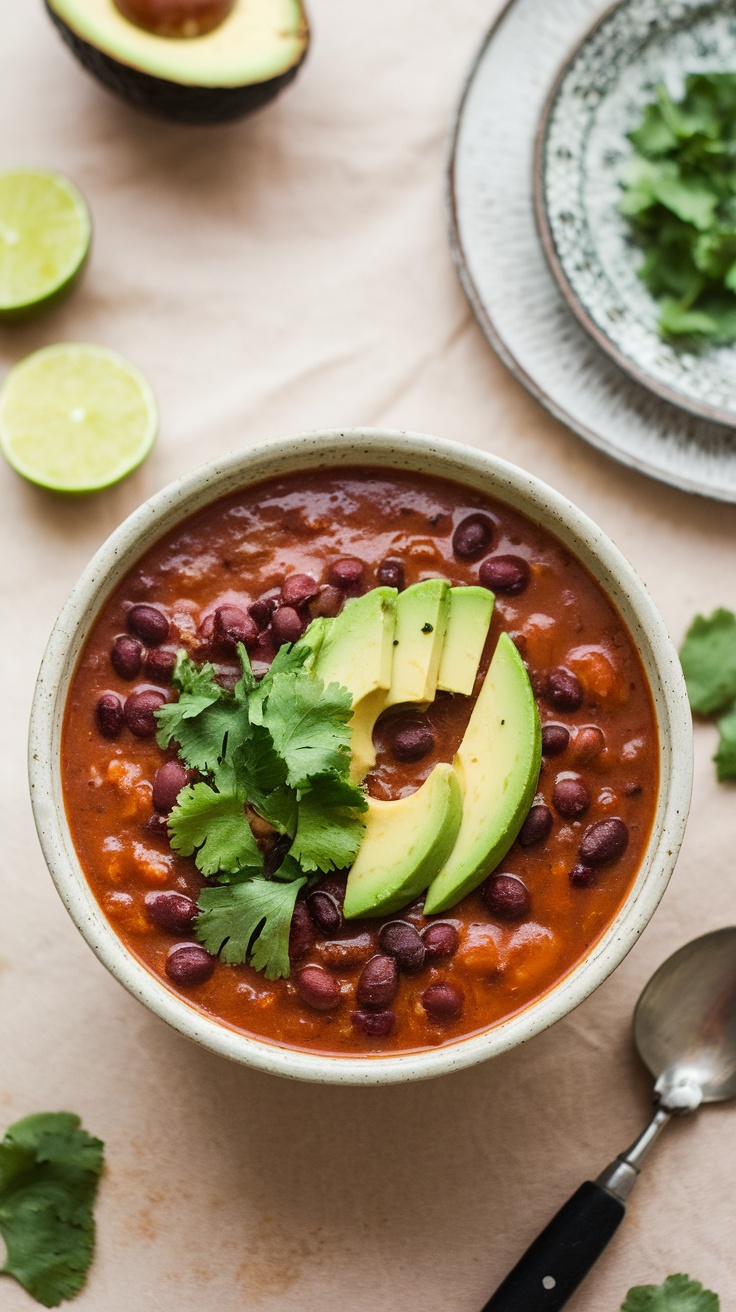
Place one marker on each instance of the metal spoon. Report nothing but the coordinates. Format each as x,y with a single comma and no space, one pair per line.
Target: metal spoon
685,1032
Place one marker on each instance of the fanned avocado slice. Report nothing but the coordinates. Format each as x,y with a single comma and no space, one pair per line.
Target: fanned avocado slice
233,69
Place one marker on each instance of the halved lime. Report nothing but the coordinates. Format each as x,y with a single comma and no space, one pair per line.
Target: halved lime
76,418
45,234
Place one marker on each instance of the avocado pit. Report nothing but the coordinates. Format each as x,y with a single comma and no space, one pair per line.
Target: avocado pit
176,18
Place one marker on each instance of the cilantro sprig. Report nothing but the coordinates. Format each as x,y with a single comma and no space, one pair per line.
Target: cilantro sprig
679,195
708,658
49,1172
677,1294
281,749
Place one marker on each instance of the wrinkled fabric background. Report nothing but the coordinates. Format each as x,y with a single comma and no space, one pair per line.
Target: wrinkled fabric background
285,273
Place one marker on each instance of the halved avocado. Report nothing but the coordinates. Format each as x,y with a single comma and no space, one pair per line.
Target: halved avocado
233,69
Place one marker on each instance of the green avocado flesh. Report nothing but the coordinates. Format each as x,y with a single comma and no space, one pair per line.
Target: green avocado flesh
406,842
471,610
357,651
421,621
259,41
497,765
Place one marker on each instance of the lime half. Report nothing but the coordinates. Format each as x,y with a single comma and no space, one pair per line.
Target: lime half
76,418
45,234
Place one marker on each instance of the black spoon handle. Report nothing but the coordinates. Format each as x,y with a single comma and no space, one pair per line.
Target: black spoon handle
560,1259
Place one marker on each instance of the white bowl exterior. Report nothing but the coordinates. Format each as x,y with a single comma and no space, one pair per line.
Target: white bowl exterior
391,450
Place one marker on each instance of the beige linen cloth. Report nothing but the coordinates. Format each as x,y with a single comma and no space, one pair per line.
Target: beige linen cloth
285,273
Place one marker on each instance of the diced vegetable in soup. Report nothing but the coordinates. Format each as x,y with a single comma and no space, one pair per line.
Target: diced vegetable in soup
359,761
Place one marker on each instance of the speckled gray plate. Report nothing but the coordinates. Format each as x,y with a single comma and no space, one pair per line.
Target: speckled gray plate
509,282
582,148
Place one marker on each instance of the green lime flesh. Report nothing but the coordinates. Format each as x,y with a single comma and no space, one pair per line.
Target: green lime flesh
76,418
45,236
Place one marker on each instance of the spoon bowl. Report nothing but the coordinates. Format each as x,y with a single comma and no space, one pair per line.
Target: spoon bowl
685,1023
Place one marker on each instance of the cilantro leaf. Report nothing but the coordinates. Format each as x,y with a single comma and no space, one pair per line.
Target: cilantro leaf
679,195
309,726
197,690
329,832
708,658
216,826
725,757
49,1172
677,1294
252,919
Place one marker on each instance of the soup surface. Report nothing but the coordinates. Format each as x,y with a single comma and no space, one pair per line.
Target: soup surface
349,530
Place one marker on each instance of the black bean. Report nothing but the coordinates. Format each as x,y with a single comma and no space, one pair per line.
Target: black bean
582,876
555,738
157,825
563,690
537,825
400,940
328,602
168,782
189,964
140,712
509,574
109,715
261,611
589,743
287,625
506,897
172,911
571,798
159,664
390,574
443,1002
473,537
126,656
317,989
412,740
604,841
374,1024
149,624
298,589
233,625
378,983
347,573
440,940
325,913
301,934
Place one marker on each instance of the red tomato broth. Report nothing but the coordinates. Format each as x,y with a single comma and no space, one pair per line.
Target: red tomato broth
239,548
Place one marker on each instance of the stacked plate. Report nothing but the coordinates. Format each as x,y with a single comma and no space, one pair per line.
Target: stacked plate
543,252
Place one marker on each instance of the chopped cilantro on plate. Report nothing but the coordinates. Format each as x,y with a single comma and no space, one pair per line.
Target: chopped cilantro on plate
278,749
679,195
49,1172
677,1294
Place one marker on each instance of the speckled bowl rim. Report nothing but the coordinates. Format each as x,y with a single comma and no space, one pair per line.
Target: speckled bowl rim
390,450
574,302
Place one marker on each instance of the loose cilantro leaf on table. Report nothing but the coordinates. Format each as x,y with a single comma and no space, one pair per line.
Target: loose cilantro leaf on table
679,195
250,919
49,1172
708,658
677,1294
725,757
279,749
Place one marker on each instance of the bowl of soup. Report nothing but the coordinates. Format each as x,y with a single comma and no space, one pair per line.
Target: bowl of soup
360,756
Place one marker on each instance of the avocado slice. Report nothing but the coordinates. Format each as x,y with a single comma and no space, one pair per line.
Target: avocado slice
357,651
498,767
471,610
222,75
406,842
421,622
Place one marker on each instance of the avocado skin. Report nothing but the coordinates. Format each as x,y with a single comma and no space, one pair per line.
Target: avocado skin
200,106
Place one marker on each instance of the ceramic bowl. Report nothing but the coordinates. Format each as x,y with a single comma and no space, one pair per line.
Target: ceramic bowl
582,152
388,450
